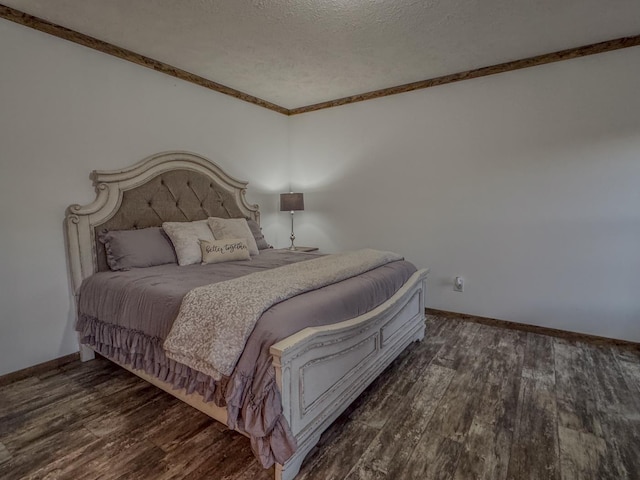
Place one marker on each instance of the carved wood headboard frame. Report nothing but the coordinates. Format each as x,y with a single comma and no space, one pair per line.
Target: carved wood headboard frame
221,191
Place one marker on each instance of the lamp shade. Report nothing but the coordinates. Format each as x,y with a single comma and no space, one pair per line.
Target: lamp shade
291,201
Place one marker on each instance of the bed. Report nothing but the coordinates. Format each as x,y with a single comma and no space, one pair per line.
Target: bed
318,371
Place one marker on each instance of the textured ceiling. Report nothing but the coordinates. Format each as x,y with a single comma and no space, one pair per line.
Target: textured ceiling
300,52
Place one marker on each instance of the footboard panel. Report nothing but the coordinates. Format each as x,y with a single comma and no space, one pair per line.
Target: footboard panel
321,370
323,376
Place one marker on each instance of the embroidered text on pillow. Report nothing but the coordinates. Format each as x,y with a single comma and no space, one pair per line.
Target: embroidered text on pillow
224,250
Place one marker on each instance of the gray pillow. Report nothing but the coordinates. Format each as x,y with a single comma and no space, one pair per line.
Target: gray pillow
257,234
143,247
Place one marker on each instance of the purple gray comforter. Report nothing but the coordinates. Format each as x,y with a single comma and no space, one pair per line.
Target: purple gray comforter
127,315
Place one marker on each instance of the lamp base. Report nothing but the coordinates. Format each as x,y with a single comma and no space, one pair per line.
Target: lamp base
292,237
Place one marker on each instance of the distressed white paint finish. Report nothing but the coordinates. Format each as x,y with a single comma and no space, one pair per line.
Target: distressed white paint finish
526,184
81,221
320,370
67,110
343,359
296,53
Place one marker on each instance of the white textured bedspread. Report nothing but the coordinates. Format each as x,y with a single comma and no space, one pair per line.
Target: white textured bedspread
215,320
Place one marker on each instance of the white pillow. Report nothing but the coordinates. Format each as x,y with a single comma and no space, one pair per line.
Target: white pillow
227,228
186,237
224,250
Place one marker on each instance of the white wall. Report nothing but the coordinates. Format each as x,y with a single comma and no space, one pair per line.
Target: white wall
527,184
66,110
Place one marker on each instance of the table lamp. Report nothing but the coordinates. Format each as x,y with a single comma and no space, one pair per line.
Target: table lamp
291,202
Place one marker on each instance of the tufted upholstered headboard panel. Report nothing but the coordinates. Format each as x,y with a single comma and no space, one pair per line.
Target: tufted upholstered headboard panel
167,187
174,196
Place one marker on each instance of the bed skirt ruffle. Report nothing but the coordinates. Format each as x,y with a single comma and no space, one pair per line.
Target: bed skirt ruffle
260,416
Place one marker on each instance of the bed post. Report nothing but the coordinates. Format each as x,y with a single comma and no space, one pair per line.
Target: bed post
86,353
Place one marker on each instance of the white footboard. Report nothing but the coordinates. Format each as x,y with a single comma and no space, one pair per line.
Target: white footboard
321,370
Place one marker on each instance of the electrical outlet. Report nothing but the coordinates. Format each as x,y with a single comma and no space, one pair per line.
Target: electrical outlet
458,284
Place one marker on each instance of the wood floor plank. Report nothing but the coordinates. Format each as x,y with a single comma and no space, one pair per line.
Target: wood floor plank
62,413
42,451
236,454
582,454
174,426
211,452
102,459
138,456
630,371
622,434
539,359
535,450
614,395
618,404
253,472
78,462
577,408
453,351
434,458
34,396
332,464
208,445
439,330
411,416
455,412
13,391
485,454
628,354
503,360
486,451
4,454
133,411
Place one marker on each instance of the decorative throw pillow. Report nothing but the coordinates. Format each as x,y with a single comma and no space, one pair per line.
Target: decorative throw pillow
226,228
186,237
224,250
145,247
257,234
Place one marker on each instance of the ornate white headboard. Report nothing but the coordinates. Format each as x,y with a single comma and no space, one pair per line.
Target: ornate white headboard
168,186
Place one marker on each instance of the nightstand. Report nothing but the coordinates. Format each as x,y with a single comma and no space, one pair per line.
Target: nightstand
304,249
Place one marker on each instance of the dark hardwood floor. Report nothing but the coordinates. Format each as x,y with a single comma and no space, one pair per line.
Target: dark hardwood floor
469,402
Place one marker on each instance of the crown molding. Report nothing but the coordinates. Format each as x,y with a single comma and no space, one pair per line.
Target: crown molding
56,30
568,54
45,26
